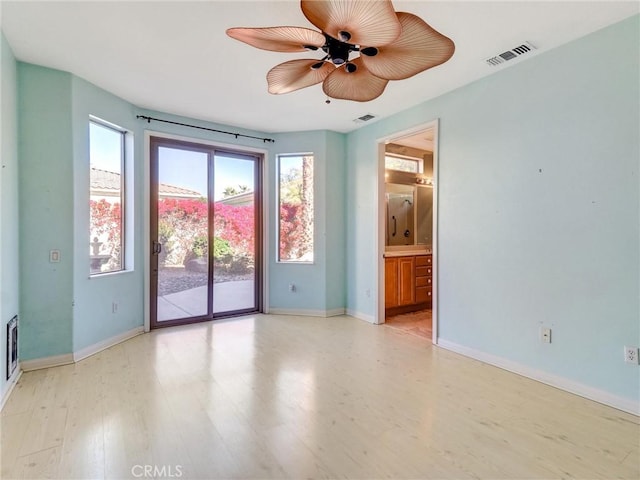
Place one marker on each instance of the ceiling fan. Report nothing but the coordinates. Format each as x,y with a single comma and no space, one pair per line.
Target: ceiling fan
365,44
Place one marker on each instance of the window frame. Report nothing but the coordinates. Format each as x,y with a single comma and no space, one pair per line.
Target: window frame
278,257
418,162
124,139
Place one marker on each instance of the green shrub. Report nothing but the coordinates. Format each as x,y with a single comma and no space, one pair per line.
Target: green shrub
200,247
221,248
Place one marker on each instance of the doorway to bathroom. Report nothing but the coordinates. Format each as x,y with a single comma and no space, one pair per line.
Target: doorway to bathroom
407,228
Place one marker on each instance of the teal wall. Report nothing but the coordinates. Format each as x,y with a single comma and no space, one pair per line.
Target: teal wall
538,210
65,310
335,188
93,316
9,269
315,283
46,211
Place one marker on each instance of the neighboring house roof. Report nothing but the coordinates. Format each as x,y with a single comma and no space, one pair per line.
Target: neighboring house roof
165,190
244,198
107,183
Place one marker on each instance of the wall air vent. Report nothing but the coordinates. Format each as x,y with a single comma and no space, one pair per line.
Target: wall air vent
504,57
364,118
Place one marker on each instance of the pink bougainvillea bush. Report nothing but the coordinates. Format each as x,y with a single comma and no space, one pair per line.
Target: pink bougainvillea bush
182,231
291,232
106,227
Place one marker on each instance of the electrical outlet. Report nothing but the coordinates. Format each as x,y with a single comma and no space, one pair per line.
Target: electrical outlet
545,335
631,355
114,307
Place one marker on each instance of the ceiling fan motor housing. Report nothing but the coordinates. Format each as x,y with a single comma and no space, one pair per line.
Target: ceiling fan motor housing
337,50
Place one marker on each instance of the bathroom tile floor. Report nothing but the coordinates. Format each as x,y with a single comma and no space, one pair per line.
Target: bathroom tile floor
415,323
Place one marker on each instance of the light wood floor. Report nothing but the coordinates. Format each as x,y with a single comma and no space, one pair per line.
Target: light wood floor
294,397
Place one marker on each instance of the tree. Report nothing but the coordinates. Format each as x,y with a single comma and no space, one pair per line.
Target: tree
296,210
232,191
306,207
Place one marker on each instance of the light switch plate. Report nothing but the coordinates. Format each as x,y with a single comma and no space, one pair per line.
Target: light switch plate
54,256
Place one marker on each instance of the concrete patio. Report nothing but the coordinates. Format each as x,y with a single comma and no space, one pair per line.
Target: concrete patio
227,297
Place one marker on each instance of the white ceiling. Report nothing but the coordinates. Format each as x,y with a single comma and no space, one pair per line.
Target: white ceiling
422,140
175,56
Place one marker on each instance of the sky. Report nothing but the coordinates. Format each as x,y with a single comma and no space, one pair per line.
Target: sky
105,148
187,169
179,168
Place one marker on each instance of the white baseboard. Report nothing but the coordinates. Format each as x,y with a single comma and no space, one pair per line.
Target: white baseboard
306,313
361,316
46,362
11,383
67,358
591,393
104,344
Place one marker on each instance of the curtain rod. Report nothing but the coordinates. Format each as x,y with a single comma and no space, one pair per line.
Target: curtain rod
148,119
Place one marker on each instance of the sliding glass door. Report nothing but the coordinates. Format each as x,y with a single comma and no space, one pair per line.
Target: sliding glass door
205,231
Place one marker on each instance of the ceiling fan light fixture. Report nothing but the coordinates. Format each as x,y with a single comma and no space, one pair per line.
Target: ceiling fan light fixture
391,46
350,67
344,36
369,51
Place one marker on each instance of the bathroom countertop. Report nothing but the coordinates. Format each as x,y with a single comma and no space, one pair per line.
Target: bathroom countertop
406,253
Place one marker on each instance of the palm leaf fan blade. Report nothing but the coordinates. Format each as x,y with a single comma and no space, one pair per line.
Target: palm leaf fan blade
365,22
296,74
418,48
278,39
360,85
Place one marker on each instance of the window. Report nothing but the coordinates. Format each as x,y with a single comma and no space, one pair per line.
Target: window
403,164
295,208
106,197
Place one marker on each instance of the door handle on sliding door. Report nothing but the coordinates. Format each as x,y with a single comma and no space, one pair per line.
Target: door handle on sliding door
156,248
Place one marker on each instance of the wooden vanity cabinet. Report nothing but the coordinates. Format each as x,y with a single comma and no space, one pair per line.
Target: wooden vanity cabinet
406,274
399,281
391,290
424,279
407,282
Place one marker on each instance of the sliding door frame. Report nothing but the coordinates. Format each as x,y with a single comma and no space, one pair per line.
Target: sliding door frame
261,225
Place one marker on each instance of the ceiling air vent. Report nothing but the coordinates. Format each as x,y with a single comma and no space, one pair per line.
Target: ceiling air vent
504,57
364,118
